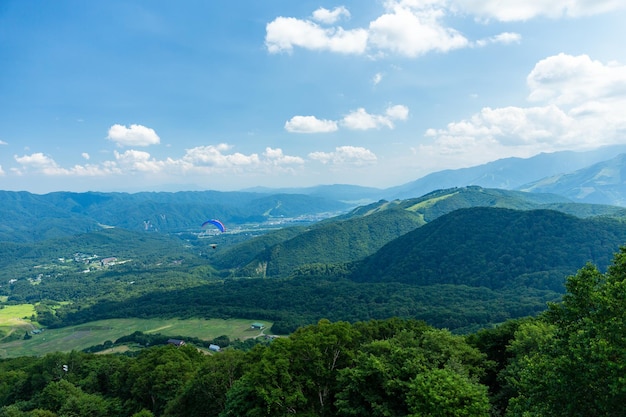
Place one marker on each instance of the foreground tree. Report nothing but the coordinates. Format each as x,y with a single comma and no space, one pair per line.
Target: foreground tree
577,366
296,374
430,373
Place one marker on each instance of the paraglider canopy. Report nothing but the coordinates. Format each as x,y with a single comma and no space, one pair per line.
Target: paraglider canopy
216,223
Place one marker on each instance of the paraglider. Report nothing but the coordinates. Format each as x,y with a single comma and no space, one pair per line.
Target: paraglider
216,223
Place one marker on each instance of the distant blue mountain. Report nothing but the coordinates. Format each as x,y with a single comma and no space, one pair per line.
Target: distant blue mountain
508,173
600,183
530,174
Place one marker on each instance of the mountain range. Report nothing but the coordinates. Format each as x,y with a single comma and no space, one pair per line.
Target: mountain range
366,229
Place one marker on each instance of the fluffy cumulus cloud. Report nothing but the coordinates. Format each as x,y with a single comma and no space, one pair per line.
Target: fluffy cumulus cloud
201,160
217,157
310,124
405,27
330,17
362,120
415,27
358,119
345,155
43,164
277,157
40,163
285,33
578,103
135,135
139,161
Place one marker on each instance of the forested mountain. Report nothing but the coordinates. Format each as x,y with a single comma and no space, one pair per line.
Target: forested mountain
365,229
495,248
332,242
30,217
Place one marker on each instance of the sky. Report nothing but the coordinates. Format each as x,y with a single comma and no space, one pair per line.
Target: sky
157,95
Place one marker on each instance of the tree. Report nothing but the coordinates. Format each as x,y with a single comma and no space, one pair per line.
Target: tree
445,392
413,373
158,375
578,368
297,374
204,395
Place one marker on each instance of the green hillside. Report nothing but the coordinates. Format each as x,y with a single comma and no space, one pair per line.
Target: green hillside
26,217
333,242
365,229
495,248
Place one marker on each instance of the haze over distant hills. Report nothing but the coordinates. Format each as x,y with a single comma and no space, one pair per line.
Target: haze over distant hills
597,177
600,183
592,177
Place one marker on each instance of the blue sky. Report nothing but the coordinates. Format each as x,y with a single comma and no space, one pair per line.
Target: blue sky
159,95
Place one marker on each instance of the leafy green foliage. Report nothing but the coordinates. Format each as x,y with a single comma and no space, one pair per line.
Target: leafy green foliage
576,368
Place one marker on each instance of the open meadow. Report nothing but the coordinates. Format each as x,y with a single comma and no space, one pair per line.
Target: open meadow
95,333
15,320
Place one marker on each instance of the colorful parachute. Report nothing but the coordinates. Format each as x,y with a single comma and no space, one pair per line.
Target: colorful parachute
216,223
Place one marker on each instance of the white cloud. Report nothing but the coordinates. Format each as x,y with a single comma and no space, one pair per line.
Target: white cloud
284,33
362,120
358,119
43,164
85,155
215,157
310,124
3,142
571,80
40,163
345,155
135,135
378,77
514,10
416,27
202,160
133,161
581,104
2,173
503,38
413,31
277,157
397,112
329,17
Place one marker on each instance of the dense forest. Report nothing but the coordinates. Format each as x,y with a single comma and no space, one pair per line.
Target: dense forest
468,269
569,360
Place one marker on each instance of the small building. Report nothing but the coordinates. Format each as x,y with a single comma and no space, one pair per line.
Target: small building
257,326
108,261
175,342
214,348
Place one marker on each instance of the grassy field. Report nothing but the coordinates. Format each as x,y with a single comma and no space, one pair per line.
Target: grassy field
95,333
12,321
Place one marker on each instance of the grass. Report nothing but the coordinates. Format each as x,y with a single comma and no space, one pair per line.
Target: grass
95,333
12,322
